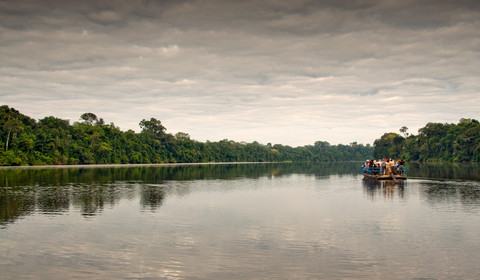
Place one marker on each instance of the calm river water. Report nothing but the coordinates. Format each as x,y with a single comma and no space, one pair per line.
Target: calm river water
239,221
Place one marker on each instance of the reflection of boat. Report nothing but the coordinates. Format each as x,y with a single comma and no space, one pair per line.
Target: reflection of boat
386,188
376,173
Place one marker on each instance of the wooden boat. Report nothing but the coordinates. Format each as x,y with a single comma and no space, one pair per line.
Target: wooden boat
375,173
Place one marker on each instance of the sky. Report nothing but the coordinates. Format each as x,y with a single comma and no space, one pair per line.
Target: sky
272,71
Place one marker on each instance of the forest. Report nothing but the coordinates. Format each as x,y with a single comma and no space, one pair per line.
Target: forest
54,141
435,142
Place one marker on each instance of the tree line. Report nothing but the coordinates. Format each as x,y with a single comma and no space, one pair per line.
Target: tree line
54,141
434,142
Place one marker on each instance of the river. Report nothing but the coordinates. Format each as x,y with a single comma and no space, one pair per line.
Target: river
239,221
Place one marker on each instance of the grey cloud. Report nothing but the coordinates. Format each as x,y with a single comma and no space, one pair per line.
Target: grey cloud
225,69
107,17
427,14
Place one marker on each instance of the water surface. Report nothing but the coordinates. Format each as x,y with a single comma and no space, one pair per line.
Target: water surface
239,221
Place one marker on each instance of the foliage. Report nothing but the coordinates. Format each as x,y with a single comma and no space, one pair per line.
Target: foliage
24,141
434,142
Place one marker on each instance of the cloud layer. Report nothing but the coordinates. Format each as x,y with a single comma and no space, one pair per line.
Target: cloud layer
288,72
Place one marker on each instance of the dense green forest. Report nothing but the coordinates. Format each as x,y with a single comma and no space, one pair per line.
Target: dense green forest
434,142
25,141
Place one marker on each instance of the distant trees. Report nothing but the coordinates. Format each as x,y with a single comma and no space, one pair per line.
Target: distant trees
434,142
24,141
389,145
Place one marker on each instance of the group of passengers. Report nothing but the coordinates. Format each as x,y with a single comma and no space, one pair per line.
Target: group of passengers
383,167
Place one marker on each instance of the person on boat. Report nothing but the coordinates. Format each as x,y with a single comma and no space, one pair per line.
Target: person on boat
392,168
384,166
401,167
373,167
365,166
389,166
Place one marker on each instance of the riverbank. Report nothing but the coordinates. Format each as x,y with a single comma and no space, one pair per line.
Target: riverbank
124,165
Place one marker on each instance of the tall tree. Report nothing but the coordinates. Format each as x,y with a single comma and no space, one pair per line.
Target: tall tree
404,130
89,118
11,126
153,126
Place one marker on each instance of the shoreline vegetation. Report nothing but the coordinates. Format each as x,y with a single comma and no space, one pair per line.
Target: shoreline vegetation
55,142
114,165
435,142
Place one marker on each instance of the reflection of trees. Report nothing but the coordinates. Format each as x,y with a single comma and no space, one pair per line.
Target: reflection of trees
321,169
151,196
52,199
465,171
52,191
387,188
470,195
89,198
438,192
90,189
15,202
449,192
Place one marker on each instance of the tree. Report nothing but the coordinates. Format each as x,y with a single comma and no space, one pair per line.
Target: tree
388,146
11,126
53,122
322,144
100,122
404,130
182,136
153,126
89,118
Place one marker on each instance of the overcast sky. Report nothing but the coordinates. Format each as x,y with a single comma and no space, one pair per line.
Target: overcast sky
280,72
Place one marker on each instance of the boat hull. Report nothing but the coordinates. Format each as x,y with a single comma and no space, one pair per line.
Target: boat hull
384,177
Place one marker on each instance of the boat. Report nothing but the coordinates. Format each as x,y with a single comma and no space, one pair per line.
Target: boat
375,173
